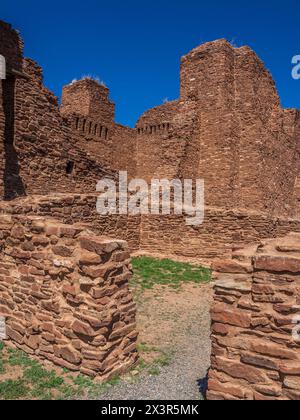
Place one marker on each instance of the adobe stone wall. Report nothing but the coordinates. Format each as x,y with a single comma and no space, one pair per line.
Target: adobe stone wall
64,294
255,341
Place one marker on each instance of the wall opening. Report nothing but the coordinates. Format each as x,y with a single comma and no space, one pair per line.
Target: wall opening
70,167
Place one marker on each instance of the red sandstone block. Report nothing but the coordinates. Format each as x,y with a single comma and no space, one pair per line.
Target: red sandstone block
277,264
122,332
88,372
62,251
17,232
226,388
33,341
260,361
292,382
220,329
92,365
52,230
219,396
70,355
83,328
59,361
286,309
28,246
290,368
222,314
95,272
121,256
40,241
14,335
17,326
70,289
100,339
269,390
238,370
94,355
99,245
69,232
231,266
22,255
87,258
273,350
102,320
291,395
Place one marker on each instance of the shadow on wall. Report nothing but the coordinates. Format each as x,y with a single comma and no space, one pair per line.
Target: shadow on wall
13,184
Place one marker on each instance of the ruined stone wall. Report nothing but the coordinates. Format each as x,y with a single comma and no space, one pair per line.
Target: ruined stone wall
40,155
64,293
78,208
255,348
2,133
166,235
229,129
221,231
91,116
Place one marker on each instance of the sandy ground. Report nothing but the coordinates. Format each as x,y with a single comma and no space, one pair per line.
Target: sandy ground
176,322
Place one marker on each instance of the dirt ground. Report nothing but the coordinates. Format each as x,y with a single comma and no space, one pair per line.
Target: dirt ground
175,324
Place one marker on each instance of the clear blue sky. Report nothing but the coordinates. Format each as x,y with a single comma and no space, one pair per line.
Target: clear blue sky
135,45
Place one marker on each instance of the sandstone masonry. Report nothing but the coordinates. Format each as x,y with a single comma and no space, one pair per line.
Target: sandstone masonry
255,355
64,293
64,284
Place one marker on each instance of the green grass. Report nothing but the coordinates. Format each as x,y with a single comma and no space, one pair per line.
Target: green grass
162,358
35,382
149,272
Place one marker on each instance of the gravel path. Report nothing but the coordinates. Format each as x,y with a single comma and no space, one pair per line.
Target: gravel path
189,331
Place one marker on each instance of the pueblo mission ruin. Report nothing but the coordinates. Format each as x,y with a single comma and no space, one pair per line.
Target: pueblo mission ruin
64,269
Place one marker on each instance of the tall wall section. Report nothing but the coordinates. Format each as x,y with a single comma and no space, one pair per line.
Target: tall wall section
227,128
39,154
91,117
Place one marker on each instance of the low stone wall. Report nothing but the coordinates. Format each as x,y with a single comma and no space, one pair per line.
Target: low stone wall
221,231
78,208
255,344
64,294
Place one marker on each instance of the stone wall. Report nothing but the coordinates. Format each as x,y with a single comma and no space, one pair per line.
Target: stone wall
221,232
255,349
64,293
78,208
91,116
39,152
227,128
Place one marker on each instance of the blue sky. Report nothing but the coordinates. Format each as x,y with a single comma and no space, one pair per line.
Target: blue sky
135,46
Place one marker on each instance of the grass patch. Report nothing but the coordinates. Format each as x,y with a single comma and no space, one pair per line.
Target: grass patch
33,381
14,390
149,272
160,359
